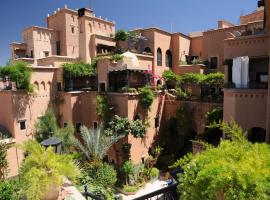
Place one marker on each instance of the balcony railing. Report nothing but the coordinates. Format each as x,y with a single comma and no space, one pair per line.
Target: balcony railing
251,85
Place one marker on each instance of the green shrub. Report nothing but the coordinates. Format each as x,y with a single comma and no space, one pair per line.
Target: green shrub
79,69
169,75
137,129
146,97
6,191
181,95
119,126
236,169
20,73
128,89
117,57
102,106
3,160
128,169
121,35
130,188
46,126
43,168
154,173
213,79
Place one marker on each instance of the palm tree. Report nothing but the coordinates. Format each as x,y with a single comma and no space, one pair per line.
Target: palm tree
94,143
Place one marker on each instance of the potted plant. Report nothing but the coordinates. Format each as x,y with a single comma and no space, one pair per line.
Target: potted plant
43,171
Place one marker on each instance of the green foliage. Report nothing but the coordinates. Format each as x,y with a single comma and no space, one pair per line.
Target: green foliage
66,135
42,168
154,172
146,97
214,115
169,75
20,73
182,161
128,89
121,35
213,79
99,173
79,69
191,78
137,129
128,169
46,126
181,94
6,191
9,189
236,169
117,57
94,143
3,160
122,127
102,106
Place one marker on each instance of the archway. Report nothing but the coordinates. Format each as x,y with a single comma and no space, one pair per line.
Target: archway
257,135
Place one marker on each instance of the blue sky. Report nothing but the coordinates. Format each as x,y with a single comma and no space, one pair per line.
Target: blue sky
184,15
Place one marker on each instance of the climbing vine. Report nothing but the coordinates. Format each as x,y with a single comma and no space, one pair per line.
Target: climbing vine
146,97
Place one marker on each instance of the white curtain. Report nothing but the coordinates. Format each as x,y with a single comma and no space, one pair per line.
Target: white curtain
240,72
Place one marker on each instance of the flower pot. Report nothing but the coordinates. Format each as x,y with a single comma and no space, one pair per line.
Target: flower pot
52,193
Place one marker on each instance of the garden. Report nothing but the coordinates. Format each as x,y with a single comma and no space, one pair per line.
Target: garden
195,86
83,158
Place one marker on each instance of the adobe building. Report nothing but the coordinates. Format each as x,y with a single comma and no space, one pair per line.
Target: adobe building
246,64
72,36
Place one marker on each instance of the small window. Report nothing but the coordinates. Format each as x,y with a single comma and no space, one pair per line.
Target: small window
159,57
95,125
58,48
59,86
213,62
31,54
78,127
22,125
156,122
102,87
72,30
168,59
46,53
65,124
143,160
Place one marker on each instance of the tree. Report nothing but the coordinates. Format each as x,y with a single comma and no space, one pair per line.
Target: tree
3,160
42,169
128,169
20,73
66,135
236,169
95,144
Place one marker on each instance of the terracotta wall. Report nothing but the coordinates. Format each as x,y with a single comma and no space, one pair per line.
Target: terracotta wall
247,107
253,46
255,16
78,107
197,46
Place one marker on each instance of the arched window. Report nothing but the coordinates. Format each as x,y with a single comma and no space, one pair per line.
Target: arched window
49,85
159,57
168,58
36,85
43,86
147,50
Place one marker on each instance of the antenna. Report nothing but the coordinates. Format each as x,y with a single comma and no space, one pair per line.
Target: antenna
241,14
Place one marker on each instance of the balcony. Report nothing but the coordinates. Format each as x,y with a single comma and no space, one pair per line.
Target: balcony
257,74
